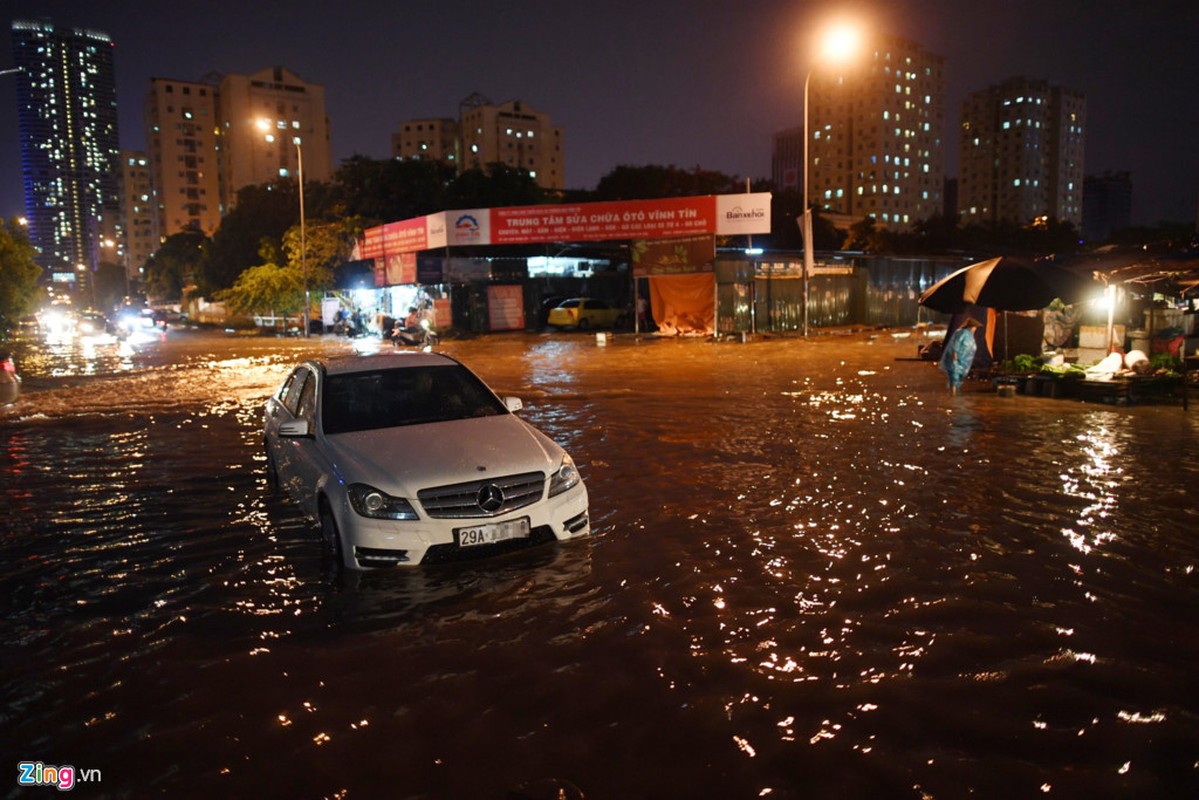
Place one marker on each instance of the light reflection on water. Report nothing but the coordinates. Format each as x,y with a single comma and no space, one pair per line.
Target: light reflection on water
815,574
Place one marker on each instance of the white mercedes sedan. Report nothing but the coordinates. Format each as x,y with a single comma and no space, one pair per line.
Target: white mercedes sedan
409,458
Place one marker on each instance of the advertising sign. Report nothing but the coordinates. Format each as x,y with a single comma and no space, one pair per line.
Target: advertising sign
581,222
468,227
667,218
505,308
742,214
683,256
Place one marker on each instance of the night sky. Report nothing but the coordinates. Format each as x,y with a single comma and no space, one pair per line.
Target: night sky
683,82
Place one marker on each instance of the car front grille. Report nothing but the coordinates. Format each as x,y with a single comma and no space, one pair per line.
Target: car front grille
484,498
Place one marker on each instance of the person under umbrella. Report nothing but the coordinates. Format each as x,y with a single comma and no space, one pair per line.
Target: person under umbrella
958,355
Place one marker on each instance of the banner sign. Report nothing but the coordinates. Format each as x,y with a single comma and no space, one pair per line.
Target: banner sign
401,268
505,308
683,256
742,214
667,218
585,222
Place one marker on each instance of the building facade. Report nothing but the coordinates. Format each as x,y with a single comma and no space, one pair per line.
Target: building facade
272,126
1022,145
427,140
875,136
67,115
137,240
511,133
182,150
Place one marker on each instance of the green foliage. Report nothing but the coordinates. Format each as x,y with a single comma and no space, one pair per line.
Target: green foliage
265,211
498,185
1164,362
267,289
1023,362
181,262
386,190
19,272
653,181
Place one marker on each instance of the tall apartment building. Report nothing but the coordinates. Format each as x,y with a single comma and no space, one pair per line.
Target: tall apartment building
1022,154
875,136
271,122
67,115
510,133
182,148
137,240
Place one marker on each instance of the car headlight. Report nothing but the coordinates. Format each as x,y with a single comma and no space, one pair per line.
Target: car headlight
565,478
370,502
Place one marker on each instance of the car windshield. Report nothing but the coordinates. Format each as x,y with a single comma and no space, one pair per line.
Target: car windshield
388,398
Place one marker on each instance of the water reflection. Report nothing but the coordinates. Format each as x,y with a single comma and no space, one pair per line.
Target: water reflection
815,574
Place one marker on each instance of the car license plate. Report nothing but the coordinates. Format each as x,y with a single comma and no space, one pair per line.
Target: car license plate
493,532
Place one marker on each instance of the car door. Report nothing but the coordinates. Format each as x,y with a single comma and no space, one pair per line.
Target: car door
288,407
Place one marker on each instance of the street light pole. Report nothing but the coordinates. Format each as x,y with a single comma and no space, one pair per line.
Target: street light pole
303,243
806,225
265,126
839,42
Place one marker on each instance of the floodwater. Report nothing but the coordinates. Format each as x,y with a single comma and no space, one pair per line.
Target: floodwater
814,574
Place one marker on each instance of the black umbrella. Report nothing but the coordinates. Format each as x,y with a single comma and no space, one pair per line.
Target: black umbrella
1008,284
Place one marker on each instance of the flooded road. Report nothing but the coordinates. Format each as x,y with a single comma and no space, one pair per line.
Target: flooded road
814,574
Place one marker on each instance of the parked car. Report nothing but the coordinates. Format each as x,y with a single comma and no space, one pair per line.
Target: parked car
409,458
583,313
10,381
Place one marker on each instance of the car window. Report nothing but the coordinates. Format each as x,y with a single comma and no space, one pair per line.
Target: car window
307,402
569,304
389,398
597,305
290,393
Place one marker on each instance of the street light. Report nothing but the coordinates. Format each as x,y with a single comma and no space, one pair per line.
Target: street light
838,43
265,126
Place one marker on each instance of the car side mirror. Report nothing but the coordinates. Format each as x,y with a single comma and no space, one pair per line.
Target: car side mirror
513,403
295,428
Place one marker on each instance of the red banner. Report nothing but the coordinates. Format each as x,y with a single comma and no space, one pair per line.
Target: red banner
627,219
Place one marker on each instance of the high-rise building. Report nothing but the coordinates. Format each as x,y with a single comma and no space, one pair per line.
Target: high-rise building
1106,205
1022,154
181,145
875,136
269,122
137,241
510,133
67,115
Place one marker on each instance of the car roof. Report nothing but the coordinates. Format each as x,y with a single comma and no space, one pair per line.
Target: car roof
401,359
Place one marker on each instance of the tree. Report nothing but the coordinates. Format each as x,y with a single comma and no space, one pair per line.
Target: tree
110,284
261,212
180,262
652,182
387,190
327,245
19,273
266,289
498,185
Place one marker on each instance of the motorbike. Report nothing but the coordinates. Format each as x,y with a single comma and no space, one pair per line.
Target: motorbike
424,338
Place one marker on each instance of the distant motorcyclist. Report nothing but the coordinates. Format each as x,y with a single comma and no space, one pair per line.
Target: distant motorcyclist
409,331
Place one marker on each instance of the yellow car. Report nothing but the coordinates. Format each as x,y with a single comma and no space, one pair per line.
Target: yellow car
583,313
